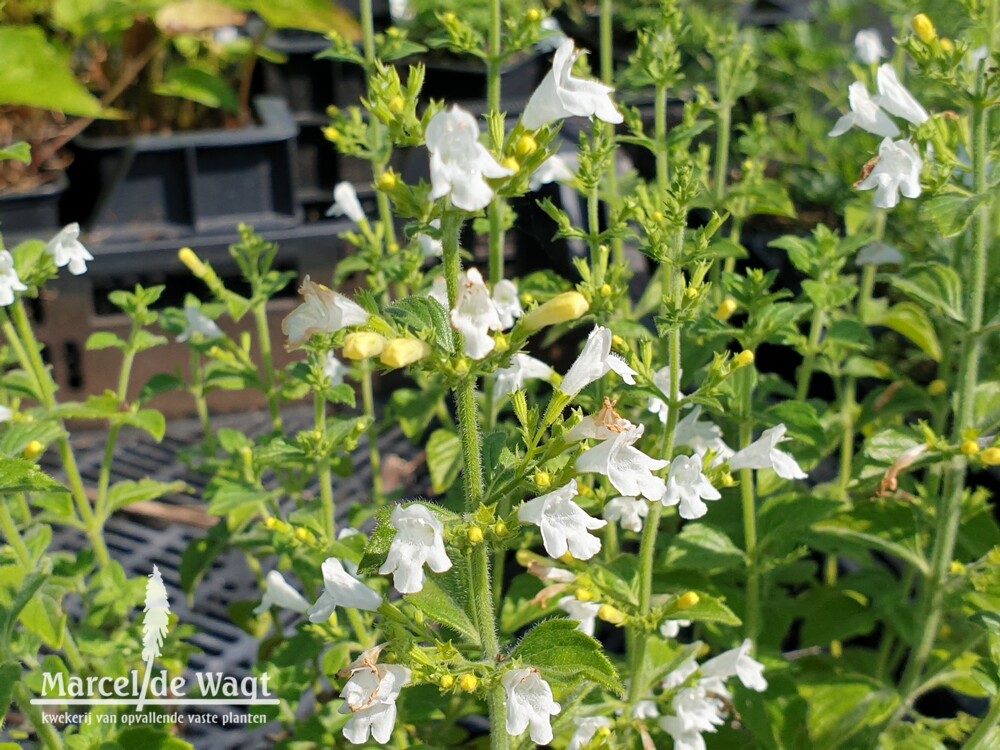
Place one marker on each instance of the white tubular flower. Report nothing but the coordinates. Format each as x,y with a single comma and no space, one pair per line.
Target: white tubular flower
418,540
67,250
199,323
671,629
370,697
687,485
459,162
341,589
594,362
529,703
764,454
507,302
439,291
896,100
335,370
701,436
5,414
564,524
586,728
865,113
627,511
475,315
683,671
868,46
553,169
645,710
431,247
345,203
698,710
9,281
661,379
684,738
629,470
584,613
322,311
523,367
606,424
897,171
279,593
561,95
737,662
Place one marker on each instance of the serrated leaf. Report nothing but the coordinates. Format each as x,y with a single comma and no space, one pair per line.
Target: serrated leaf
909,320
378,543
10,673
444,459
935,284
127,492
441,600
21,475
566,656
201,86
711,609
414,409
951,212
26,590
43,616
423,315
831,615
231,496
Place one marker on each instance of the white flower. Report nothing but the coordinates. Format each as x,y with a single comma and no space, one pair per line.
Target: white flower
868,46
529,702
701,436
66,249
418,540
459,162
199,323
507,302
645,710
341,589
584,613
764,454
737,662
606,424
627,468
697,709
865,113
561,95
335,370
896,100
370,697
628,511
897,171
687,485
586,728
345,203
564,524
9,281
661,379
685,669
671,629
431,247
439,291
475,315
879,254
322,311
684,737
279,593
522,368
5,414
553,169
594,362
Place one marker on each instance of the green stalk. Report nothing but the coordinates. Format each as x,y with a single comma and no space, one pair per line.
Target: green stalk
660,132
323,471
374,457
608,76
751,619
46,732
594,222
267,362
13,536
809,362
104,478
722,152
984,734
200,404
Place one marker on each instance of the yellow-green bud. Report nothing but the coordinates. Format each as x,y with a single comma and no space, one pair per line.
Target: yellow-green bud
947,46
526,145
657,216
510,163
604,732
402,352
543,479
990,456
727,480
502,343
331,133
462,367
305,536
585,595
924,27
388,181
688,600
957,568
446,682
560,309
500,528
692,292
726,309
397,105
188,257
448,17
270,523
970,447
393,248
468,683
475,535
617,342
33,450
937,387
606,290
534,15
363,345
744,358
611,614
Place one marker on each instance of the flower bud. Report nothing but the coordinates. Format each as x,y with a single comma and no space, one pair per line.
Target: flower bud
501,344
33,450
970,447
468,683
534,15
510,163
448,17
188,257
937,387
924,28
526,145
947,46
388,181
403,352
462,367
990,456
606,290
475,535
305,536
446,682
397,105
363,345
543,479
331,133
500,528
687,601
604,732
618,343
611,614
584,595
957,568
560,309
745,358
270,523
726,309
657,216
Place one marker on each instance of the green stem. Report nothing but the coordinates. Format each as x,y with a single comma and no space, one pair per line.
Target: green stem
374,457
104,478
267,362
494,60
751,620
597,262
324,475
46,732
812,350
13,536
200,404
608,76
722,153
984,731
660,131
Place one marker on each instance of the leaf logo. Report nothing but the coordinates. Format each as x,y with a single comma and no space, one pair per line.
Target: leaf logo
154,626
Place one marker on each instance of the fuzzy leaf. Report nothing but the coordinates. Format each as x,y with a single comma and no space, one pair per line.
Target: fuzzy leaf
127,492
424,315
565,655
909,320
21,475
711,609
441,600
702,547
937,285
444,459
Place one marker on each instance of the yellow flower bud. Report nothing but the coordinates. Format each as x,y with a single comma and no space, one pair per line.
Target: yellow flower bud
446,682
270,523
687,601
606,290
937,387
604,732
585,595
692,292
727,480
584,490
305,536
836,649
956,568
726,309
388,181
560,309
500,528
510,163
611,614
475,535
403,352
468,683
924,27
363,345
188,257
543,479
534,15
744,358
502,342
331,133
462,367
397,105
393,248
970,447
947,46
527,298
448,17
526,145
617,342
33,450
990,456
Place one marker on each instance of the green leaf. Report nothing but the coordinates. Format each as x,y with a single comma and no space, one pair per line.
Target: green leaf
10,673
21,475
232,496
850,334
127,492
148,420
43,616
444,459
309,15
935,284
909,320
148,738
159,384
710,609
909,737
378,543
702,547
565,655
414,409
201,86
36,73
423,315
26,590
18,151
831,615
341,394
951,212
104,340
441,600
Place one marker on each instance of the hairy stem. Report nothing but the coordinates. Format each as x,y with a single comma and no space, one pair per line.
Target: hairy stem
374,456
267,362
